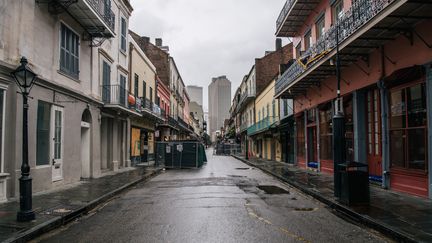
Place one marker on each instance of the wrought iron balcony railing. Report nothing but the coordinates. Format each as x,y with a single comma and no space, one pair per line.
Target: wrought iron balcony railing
103,9
262,125
247,94
360,13
243,127
114,95
285,10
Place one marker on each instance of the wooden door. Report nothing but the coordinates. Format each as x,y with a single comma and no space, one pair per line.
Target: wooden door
373,128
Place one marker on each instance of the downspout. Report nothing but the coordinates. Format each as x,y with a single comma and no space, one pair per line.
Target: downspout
384,125
429,122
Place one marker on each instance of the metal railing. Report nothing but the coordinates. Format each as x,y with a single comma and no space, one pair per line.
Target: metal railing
262,125
243,127
361,12
157,110
114,95
103,9
285,11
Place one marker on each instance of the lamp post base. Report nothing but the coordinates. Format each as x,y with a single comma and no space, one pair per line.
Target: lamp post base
26,213
26,216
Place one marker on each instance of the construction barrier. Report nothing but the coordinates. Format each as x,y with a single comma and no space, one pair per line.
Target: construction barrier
180,154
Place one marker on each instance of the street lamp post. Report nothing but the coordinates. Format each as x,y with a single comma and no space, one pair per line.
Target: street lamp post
338,125
25,78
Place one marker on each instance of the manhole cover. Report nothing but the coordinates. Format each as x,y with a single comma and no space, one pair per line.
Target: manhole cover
242,168
273,190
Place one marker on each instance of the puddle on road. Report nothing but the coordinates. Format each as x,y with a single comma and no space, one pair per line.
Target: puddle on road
273,190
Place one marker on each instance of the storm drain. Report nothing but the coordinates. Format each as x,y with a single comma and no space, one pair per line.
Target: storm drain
305,209
273,189
244,168
238,176
59,211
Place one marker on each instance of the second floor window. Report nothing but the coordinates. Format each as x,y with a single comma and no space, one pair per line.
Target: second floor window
337,10
69,51
123,35
320,27
298,50
307,40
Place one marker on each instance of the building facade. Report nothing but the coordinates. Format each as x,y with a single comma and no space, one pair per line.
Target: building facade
219,103
385,87
195,93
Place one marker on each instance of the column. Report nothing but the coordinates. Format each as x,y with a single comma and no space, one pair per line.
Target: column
385,134
429,118
115,144
128,142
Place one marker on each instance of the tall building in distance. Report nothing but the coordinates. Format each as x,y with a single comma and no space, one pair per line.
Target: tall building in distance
195,94
219,95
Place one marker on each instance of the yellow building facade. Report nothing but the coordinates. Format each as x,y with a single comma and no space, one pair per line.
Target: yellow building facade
266,143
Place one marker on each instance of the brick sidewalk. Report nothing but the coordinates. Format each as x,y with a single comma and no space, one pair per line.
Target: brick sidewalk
401,216
54,209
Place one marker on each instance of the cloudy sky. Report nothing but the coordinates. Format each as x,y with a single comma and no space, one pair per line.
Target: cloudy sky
209,38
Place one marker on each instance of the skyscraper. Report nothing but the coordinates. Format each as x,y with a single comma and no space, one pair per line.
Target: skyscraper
195,94
219,95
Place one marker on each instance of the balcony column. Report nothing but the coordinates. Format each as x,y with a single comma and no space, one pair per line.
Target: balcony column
128,142
115,145
429,117
385,147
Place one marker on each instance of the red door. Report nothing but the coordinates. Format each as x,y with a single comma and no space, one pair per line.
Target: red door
374,133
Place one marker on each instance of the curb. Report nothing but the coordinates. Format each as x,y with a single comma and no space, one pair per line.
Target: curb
62,220
345,211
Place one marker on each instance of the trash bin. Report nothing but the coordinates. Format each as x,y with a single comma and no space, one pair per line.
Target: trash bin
354,178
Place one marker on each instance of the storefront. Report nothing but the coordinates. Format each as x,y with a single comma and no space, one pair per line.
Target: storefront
408,137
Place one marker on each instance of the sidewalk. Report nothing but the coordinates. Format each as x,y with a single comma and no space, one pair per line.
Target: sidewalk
56,208
403,217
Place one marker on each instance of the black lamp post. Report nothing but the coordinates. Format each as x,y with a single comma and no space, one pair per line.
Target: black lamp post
25,78
338,126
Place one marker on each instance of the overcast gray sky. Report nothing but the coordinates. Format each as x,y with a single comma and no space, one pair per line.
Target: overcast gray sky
209,38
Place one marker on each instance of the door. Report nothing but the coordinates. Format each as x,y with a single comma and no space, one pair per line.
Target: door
312,144
85,150
144,144
373,133
57,143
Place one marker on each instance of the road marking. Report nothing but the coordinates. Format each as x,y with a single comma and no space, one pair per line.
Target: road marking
285,231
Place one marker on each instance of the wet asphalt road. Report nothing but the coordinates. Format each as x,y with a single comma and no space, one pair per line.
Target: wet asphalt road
221,202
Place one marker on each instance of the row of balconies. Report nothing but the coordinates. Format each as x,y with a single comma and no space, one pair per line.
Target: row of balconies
117,95
360,13
262,125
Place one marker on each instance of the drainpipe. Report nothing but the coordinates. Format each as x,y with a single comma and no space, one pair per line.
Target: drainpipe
384,125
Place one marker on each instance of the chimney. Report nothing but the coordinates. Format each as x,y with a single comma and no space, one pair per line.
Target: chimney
158,42
145,39
278,44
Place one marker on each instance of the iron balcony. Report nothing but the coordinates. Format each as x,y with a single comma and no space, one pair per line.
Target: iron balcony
263,125
95,16
361,17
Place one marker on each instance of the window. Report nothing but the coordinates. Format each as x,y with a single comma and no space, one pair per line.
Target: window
122,90
320,27
106,82
308,40
123,34
144,90
43,133
151,94
69,51
337,10
136,81
326,132
311,116
408,123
